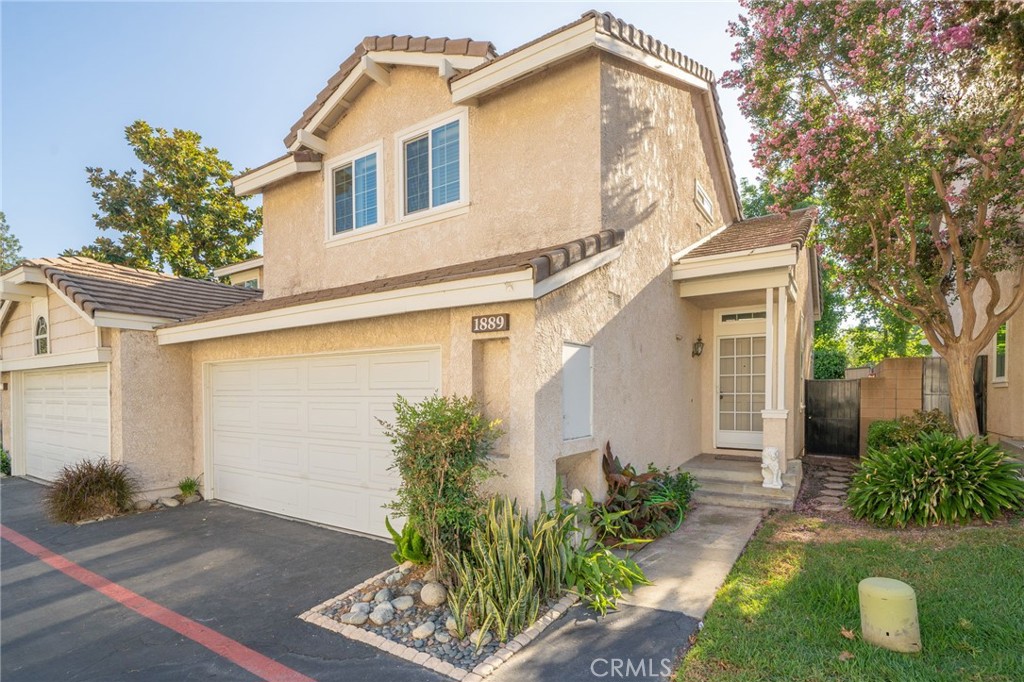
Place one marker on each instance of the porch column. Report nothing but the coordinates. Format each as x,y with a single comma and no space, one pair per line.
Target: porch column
775,416
780,352
769,347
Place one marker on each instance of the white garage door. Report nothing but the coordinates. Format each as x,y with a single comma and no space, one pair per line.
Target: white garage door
300,436
67,418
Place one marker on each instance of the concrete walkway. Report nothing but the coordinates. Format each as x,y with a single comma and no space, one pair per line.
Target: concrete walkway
644,639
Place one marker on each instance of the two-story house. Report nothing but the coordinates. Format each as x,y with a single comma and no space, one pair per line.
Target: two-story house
555,230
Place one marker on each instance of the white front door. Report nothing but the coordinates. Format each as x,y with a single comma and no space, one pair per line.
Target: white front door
741,377
66,418
300,436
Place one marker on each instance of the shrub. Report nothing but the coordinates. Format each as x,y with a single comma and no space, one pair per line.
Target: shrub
440,448
890,433
496,579
598,576
940,479
410,544
829,363
5,462
639,507
90,489
512,567
188,486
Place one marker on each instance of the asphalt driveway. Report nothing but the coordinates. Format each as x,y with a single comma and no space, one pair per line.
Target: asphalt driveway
242,574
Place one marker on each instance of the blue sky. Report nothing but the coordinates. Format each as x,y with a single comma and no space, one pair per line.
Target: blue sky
75,74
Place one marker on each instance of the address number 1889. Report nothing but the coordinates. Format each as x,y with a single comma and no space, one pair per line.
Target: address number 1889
490,323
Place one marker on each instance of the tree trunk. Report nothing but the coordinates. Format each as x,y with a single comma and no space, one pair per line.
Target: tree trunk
961,391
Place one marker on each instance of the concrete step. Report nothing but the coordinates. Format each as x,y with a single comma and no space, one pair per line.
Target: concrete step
748,473
750,489
745,501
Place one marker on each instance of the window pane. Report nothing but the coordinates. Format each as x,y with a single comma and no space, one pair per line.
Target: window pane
742,346
444,150
726,422
366,190
343,199
417,175
1001,352
728,346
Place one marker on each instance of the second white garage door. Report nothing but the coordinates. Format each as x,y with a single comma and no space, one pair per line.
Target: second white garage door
301,437
66,418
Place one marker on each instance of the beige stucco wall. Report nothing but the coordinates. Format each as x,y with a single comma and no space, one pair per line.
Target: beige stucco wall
449,330
533,181
151,409
69,331
647,387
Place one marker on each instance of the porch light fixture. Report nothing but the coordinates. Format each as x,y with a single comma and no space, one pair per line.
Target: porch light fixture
698,347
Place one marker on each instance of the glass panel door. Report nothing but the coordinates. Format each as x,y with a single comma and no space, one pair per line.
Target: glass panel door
741,371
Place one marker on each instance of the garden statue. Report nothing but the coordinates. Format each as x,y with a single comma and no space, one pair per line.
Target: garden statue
771,468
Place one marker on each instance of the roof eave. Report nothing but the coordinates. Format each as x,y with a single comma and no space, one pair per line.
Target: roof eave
257,180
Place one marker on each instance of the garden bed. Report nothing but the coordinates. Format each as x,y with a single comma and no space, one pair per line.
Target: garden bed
438,649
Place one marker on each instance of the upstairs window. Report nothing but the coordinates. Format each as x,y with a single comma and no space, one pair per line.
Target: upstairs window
1000,369
42,336
251,284
703,201
355,194
432,163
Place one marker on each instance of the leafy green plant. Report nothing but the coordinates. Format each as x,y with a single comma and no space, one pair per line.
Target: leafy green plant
90,489
496,578
599,577
890,433
5,462
639,506
410,545
829,363
188,486
940,479
440,449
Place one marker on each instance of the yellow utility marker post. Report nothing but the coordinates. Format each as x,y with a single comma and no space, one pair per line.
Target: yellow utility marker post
888,614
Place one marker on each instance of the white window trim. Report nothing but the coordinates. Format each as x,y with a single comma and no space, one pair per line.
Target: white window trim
328,174
701,195
41,309
997,379
460,114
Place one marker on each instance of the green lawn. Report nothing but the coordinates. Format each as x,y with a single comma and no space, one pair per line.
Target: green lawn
780,613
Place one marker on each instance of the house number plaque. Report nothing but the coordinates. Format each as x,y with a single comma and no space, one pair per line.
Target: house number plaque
491,323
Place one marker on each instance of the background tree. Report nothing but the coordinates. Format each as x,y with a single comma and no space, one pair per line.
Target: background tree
179,212
904,117
830,354
10,246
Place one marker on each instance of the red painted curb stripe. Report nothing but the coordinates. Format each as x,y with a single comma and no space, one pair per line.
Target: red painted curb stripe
239,654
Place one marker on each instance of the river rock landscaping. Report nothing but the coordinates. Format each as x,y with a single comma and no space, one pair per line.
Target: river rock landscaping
405,612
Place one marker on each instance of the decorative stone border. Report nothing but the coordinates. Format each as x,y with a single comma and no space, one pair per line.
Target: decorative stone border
422,658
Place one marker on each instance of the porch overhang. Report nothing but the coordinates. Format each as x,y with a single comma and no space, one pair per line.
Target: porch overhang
710,281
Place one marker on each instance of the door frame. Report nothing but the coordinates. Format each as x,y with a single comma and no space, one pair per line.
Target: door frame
724,330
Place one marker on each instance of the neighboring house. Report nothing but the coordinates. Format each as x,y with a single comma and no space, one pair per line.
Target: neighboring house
555,231
248,273
82,374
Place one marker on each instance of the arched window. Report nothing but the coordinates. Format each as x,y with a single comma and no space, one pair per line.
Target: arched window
42,336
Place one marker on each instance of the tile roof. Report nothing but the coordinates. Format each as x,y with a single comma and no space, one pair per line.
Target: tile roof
389,43
96,286
544,262
777,229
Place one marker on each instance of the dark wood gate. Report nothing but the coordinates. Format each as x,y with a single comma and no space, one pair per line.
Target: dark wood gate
833,417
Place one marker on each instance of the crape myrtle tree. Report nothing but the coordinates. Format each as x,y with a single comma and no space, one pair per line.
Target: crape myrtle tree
904,117
180,212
